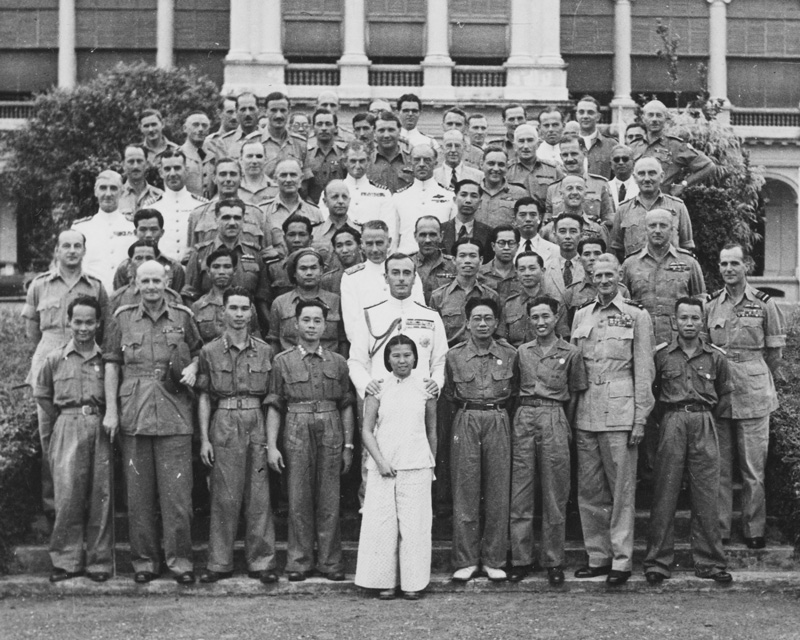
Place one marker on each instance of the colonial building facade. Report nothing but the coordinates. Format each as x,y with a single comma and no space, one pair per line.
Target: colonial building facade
478,53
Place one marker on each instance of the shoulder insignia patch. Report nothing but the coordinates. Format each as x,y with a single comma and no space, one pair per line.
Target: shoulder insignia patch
587,303
403,188
80,220
372,306
377,184
716,294
659,347
686,251
720,349
633,303
764,297
125,307
355,268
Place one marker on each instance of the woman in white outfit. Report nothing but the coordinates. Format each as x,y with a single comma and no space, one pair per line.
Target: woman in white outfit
399,432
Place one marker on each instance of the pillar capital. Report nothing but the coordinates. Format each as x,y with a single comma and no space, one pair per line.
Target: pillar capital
718,1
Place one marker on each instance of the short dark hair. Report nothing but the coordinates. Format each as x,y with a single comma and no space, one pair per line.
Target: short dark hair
592,240
133,145
144,243
307,304
458,111
148,214
529,254
504,227
296,218
251,141
509,107
398,256
694,302
346,229
276,95
464,181
229,202
736,245
481,302
227,160
222,252
428,218
571,216
146,113
323,110
364,116
399,340
357,146
85,301
468,240
244,94
550,301
588,98
173,153
409,97
475,116
236,291
636,124
526,200
570,139
388,116
549,110
375,225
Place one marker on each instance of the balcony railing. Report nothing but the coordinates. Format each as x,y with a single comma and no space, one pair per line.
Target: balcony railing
765,117
395,75
15,110
325,75
478,76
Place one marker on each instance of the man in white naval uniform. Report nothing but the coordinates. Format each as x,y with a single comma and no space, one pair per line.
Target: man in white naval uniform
364,285
368,200
108,233
176,205
425,197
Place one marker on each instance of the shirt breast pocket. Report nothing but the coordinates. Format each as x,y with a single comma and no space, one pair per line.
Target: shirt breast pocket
258,376
222,377
50,314
296,375
133,347
618,343
553,375
717,331
330,377
752,332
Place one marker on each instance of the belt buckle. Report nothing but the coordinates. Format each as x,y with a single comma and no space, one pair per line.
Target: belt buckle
84,411
686,408
158,372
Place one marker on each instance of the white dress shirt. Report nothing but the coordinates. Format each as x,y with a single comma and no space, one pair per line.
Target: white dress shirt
367,202
631,189
108,236
176,206
415,136
427,198
549,152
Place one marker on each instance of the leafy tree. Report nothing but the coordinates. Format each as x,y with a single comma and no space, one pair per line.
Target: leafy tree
75,134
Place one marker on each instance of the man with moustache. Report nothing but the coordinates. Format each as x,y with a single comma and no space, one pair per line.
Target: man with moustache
434,267
527,169
136,192
454,167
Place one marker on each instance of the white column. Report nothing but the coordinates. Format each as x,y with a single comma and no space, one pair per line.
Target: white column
67,60
717,54
437,66
240,18
535,69
165,34
269,53
354,64
622,105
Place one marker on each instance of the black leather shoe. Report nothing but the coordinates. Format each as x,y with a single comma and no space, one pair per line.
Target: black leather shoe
296,576
616,578
593,572
59,575
98,576
186,578
268,577
518,574
335,576
143,577
755,543
654,578
555,576
208,576
726,541
722,577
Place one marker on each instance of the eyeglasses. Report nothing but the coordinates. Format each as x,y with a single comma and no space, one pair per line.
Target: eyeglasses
621,159
506,243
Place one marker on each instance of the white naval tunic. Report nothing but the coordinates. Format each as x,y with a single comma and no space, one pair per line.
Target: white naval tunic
108,236
176,206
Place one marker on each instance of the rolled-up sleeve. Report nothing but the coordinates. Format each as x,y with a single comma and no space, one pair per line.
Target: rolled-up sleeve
112,342
276,396
774,335
643,367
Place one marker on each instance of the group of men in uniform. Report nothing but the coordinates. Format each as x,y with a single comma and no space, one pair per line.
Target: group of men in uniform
254,296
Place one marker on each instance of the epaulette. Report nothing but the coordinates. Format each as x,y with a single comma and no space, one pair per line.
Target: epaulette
200,199
309,203
633,303
546,163
419,304
271,261
297,136
230,133
257,339
575,284
716,294
202,245
764,297
448,257
674,137
597,177
720,349
41,276
378,184
587,303
686,251
505,343
125,307
340,143
181,307
78,221
285,351
659,347
517,184
401,189
355,268
671,197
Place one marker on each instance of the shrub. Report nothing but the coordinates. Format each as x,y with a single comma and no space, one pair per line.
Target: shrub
74,134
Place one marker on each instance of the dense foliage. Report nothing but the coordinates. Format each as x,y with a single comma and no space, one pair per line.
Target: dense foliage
74,134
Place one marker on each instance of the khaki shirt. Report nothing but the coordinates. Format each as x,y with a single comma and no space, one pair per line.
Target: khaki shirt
597,202
393,172
704,377
497,206
209,314
130,203
250,272
143,345
629,232
516,322
578,294
224,371
175,273
254,194
282,330
434,273
657,285
67,379
324,167
678,158
616,342
744,329
449,302
129,294
202,225
471,376
199,171
537,178
291,147
559,374
503,286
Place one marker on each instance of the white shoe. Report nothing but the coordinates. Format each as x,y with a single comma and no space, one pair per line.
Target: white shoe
495,575
465,574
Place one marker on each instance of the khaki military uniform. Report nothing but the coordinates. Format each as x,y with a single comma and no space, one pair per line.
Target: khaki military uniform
209,314
745,329
434,273
598,202
616,342
540,443
155,432
130,294
678,158
200,167
130,203
282,331
592,228
292,147
503,285
517,328
262,191
311,389
237,382
497,205
393,172
688,388
176,276
481,385
202,227
449,302
80,459
537,178
324,167
578,294
629,233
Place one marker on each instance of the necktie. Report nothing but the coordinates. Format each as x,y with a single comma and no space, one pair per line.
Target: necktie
622,192
462,232
567,273
453,179
528,246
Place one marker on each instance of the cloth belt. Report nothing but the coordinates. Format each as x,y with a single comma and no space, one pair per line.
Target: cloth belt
530,401
158,373
85,410
319,406
484,406
602,378
690,407
745,356
239,402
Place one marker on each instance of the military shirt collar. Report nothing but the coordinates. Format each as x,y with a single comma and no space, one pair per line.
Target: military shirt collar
227,343
208,300
398,152
71,347
454,284
657,201
560,345
55,274
617,301
305,352
165,309
419,259
749,293
672,251
503,188
471,350
704,347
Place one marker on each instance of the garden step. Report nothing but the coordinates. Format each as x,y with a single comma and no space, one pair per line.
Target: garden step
776,557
